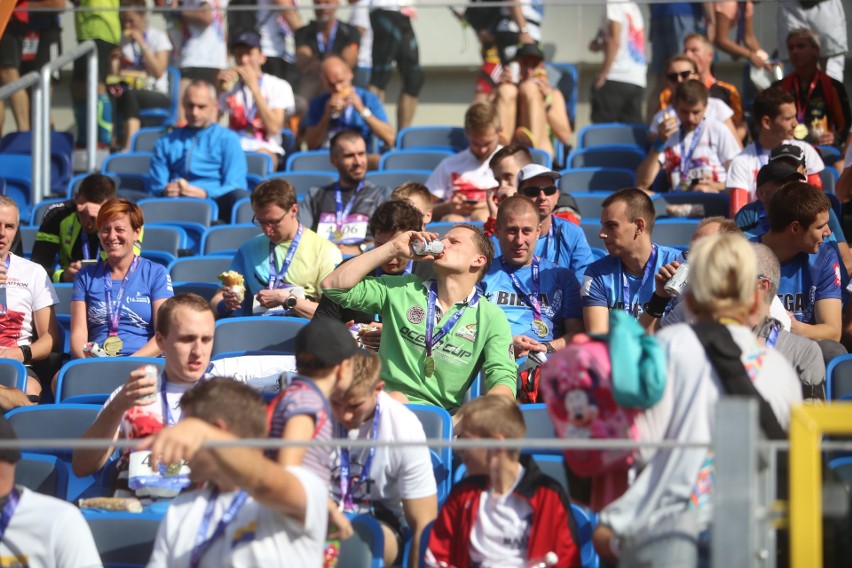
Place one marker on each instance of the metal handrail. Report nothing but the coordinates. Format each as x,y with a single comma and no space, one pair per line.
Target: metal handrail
31,79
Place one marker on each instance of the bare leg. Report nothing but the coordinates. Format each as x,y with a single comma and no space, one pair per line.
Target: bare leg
532,115
557,117
391,546
20,101
507,107
405,111
131,127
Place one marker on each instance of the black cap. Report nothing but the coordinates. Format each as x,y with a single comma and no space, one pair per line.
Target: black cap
779,171
8,455
788,152
530,50
323,343
247,38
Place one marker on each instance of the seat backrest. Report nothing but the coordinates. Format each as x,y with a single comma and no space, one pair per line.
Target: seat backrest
413,159
613,133
590,203
124,539
395,178
674,232
242,212
13,374
40,209
596,179
179,209
28,238
828,179
585,527
541,157
199,268
838,377
539,425
145,138
303,181
164,238
63,291
365,548
204,289
553,466
452,138
92,380
53,421
592,228
138,163
258,163
312,160
629,157
43,474
437,424
227,238
715,204
274,334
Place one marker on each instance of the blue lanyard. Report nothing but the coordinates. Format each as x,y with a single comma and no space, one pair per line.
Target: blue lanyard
8,511
533,298
139,54
347,485
758,149
625,286
278,277
547,242
408,268
772,338
251,108
114,309
321,46
342,213
203,544
431,302
686,158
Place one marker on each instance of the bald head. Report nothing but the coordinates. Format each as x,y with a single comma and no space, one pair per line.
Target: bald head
336,75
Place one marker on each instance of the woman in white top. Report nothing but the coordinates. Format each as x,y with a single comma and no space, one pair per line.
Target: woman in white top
141,63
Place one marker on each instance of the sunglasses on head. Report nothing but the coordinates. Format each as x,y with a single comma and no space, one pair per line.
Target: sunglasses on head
679,74
534,191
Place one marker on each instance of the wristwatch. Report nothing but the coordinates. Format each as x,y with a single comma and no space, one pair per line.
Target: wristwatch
28,353
366,113
549,347
524,30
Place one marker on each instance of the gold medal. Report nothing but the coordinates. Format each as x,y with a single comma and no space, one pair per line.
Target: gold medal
113,345
337,235
429,366
540,328
172,469
800,132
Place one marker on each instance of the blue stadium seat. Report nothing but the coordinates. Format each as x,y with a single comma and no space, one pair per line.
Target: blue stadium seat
162,258
539,425
829,154
610,133
64,322
91,381
145,138
628,157
13,374
242,212
395,178
226,239
43,474
165,238
596,179
192,214
133,170
169,115
438,424
273,334
63,290
204,289
451,138
590,203
541,157
715,204
553,466
199,268
258,164
61,153
123,539
838,377
586,522
828,176
591,228
28,238
674,232
568,84
303,181
310,161
366,547
40,209
413,159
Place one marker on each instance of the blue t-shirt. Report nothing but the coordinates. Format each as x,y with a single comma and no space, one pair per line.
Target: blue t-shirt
753,221
603,283
559,291
349,119
148,283
808,278
564,245
666,9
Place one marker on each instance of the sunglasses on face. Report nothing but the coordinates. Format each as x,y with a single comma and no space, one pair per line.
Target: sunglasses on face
673,77
534,191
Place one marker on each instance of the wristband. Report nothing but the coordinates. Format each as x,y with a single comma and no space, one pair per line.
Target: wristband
366,113
27,353
659,145
657,306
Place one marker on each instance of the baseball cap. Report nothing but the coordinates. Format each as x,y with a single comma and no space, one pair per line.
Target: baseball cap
778,171
246,38
8,433
534,171
323,343
530,50
788,152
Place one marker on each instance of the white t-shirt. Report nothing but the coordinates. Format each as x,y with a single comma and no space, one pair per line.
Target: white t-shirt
716,109
359,16
630,64
276,37
501,531
461,171
205,46
157,41
401,472
742,173
680,313
46,532
257,536
241,108
28,290
714,149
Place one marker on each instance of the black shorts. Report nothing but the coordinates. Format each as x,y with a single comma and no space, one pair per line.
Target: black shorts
49,48
105,50
12,46
394,40
617,102
200,74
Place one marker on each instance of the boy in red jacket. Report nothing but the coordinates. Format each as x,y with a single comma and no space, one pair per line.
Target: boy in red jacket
503,512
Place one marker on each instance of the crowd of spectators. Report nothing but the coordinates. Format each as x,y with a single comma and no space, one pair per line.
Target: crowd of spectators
514,281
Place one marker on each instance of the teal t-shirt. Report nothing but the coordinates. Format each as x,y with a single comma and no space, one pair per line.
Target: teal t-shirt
480,340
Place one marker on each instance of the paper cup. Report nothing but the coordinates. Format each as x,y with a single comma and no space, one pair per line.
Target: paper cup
240,291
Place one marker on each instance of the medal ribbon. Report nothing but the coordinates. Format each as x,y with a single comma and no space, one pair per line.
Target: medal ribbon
625,286
203,544
114,309
8,511
533,298
772,338
431,302
342,213
346,485
686,158
291,252
321,46
801,107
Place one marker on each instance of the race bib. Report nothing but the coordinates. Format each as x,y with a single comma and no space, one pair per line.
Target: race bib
30,46
167,482
352,232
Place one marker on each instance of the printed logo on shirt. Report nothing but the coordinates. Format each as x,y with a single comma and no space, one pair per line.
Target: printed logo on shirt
445,350
138,299
837,275
792,302
11,324
415,314
244,534
587,284
14,561
467,332
98,315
